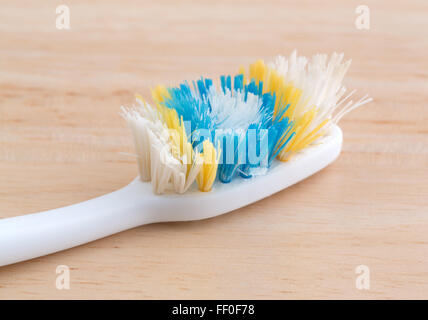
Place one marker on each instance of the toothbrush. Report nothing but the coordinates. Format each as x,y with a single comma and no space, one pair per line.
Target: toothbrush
203,152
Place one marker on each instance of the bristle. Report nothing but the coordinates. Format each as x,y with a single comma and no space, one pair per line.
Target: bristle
141,120
319,85
198,132
165,157
208,172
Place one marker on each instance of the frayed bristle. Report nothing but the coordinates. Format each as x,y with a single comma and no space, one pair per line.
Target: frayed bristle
198,132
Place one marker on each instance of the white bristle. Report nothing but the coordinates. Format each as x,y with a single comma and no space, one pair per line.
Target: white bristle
156,161
233,111
320,80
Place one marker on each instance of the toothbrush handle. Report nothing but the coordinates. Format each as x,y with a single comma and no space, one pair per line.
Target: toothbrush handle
34,235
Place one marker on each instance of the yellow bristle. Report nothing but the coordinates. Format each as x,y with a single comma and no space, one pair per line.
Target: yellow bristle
258,71
303,138
310,137
295,97
207,175
300,126
181,147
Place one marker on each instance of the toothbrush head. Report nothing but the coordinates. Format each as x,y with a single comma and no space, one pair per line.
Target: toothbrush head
226,197
252,122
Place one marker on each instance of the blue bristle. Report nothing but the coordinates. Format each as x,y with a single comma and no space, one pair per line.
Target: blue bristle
252,88
253,149
229,82
238,82
192,109
223,83
276,129
193,105
228,162
208,83
202,88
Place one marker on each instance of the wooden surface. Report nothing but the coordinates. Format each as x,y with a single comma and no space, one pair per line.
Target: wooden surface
62,141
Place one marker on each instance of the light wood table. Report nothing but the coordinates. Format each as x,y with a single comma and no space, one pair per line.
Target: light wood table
62,141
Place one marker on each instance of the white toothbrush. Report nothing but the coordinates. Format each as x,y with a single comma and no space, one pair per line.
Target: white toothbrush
34,235
290,107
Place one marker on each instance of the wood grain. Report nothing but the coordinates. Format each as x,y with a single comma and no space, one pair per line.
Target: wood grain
62,141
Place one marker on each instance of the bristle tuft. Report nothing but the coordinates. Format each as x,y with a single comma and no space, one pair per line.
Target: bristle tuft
272,111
